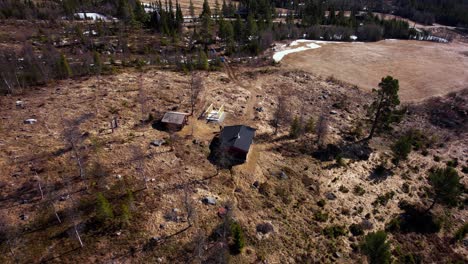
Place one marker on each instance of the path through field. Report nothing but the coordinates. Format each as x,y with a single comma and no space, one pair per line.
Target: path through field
425,69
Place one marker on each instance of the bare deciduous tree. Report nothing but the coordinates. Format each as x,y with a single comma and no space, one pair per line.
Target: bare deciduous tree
322,129
196,85
7,234
142,99
139,159
282,114
189,208
73,138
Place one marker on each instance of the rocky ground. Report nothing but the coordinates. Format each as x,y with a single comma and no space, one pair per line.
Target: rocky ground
285,200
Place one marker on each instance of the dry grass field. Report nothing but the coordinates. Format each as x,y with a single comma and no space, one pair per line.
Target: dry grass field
425,69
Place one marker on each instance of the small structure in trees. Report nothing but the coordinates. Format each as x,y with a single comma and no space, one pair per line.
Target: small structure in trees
174,121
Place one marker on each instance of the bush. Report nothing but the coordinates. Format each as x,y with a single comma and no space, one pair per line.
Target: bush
401,149
334,231
295,129
358,190
383,199
321,203
321,217
376,247
461,233
356,230
343,189
238,238
104,210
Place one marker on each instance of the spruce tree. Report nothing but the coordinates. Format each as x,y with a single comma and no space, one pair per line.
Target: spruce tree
191,9
63,68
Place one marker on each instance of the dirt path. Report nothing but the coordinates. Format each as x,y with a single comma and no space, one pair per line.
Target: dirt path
249,115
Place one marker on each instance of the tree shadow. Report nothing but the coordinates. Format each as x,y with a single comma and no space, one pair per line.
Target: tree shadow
413,220
380,174
355,151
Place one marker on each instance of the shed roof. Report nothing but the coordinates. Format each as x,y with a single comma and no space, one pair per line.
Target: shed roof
240,137
174,118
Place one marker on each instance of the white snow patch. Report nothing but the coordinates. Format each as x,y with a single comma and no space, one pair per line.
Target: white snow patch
278,56
92,16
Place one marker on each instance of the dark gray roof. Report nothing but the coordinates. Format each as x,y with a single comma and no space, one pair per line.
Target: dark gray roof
239,137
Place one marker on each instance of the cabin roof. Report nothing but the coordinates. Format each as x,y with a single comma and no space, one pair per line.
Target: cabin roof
239,137
174,118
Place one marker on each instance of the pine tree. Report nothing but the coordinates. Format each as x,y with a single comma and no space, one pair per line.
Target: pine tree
295,129
97,62
238,237
383,110
63,68
104,210
191,9
203,61
446,186
376,247
206,24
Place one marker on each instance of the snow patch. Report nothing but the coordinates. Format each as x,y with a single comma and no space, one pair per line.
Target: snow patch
91,16
278,56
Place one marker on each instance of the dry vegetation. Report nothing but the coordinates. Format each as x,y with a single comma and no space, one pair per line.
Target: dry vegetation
424,69
281,184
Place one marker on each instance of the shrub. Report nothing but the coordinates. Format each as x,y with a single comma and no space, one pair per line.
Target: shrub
321,203
356,230
238,237
383,199
376,247
295,129
310,126
340,161
321,217
461,233
358,190
401,149
104,210
452,163
343,189
334,231
405,187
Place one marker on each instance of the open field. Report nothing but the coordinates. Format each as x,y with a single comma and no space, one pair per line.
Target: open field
425,69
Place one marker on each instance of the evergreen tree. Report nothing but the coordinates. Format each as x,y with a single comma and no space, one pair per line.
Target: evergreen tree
97,62
191,9
376,247
63,68
238,29
238,237
104,210
383,110
203,61
446,186
401,149
206,24
139,12
296,128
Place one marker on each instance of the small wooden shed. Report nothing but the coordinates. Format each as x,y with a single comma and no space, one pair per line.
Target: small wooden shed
174,120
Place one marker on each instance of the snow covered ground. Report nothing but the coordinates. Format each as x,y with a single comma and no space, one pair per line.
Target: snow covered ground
92,16
284,50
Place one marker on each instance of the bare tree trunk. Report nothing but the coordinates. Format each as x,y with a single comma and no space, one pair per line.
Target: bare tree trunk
376,119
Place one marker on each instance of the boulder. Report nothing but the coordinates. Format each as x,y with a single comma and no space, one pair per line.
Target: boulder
209,200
